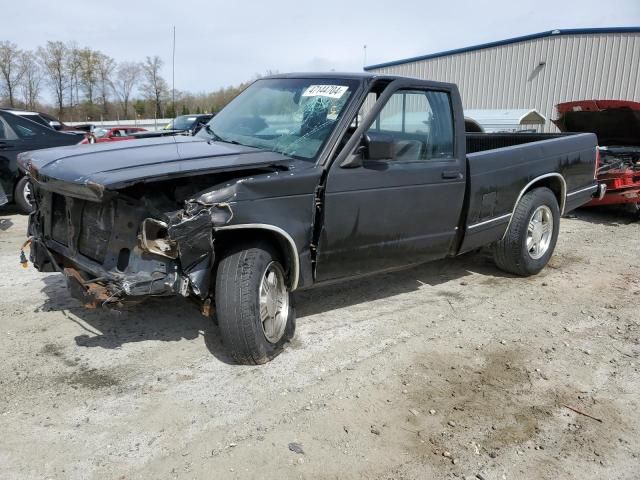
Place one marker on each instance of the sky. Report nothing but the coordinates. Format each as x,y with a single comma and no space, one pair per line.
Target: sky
222,43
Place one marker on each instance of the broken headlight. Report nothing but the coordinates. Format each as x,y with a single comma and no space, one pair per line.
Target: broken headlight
154,238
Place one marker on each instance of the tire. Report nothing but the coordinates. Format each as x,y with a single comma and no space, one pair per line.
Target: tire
239,297
21,195
634,209
516,252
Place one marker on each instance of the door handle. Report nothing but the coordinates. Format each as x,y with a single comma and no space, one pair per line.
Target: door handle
451,175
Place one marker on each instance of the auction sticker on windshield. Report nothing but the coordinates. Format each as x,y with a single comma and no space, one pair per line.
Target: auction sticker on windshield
331,91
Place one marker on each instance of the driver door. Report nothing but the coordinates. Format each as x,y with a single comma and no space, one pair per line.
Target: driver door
401,210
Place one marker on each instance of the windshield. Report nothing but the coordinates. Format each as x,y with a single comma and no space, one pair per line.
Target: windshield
290,116
100,132
184,122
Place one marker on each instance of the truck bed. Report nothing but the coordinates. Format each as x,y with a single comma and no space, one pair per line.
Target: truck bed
496,178
479,142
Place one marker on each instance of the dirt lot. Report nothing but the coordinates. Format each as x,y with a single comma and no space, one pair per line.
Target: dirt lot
447,370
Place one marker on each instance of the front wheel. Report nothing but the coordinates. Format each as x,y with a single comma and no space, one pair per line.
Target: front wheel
23,194
253,304
531,236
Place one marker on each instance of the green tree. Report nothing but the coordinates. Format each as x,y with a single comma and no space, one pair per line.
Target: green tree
138,107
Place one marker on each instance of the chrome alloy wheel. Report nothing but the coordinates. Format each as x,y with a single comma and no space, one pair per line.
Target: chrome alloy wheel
539,232
274,302
27,193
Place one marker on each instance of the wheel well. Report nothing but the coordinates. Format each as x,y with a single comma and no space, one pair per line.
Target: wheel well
554,183
227,239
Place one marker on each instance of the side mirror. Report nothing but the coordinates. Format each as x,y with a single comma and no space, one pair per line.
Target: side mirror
378,146
373,146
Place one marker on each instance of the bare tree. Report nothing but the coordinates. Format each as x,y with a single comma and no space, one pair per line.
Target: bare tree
88,75
54,60
126,79
11,70
73,65
154,87
105,67
31,80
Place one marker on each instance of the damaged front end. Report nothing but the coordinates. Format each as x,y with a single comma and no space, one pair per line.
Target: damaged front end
127,248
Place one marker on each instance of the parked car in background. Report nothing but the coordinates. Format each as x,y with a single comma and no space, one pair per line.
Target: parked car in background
112,134
617,125
63,127
51,122
300,180
191,123
18,134
182,125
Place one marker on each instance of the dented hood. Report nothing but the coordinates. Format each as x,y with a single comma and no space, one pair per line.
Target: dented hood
91,170
615,122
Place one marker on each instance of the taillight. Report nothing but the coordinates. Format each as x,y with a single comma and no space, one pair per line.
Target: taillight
595,174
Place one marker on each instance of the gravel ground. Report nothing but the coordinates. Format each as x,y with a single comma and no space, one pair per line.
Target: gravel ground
448,370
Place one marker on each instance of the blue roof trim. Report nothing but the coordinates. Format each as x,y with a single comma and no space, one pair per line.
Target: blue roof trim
533,36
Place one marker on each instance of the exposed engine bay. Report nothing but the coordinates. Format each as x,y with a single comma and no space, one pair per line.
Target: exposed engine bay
159,242
617,125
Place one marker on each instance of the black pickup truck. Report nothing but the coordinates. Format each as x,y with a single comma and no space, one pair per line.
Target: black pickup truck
303,179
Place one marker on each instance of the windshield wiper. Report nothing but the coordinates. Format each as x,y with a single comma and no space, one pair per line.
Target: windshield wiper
213,134
216,137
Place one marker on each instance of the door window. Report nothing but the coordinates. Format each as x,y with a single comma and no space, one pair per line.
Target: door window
27,129
5,131
420,123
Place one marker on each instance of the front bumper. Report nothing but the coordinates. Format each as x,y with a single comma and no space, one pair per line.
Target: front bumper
95,286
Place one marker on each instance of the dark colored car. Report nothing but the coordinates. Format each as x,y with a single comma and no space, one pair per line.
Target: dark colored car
18,134
182,125
112,134
617,125
301,180
51,122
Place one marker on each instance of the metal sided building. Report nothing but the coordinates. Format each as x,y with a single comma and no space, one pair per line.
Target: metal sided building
536,71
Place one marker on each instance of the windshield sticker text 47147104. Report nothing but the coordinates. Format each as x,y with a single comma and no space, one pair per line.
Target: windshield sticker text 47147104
331,91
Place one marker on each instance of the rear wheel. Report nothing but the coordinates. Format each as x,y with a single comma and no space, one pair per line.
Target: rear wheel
531,237
253,304
23,194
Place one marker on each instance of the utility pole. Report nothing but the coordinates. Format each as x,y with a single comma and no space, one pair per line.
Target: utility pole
364,56
173,72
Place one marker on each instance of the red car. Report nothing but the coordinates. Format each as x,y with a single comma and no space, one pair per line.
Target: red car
617,125
100,134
